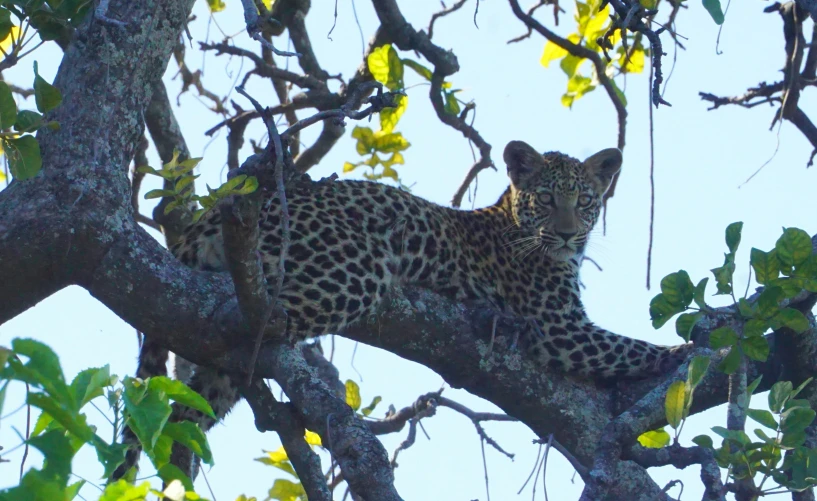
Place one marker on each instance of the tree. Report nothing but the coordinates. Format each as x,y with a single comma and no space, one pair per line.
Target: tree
75,221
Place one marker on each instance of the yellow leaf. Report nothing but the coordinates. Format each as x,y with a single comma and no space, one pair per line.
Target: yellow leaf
312,438
13,35
396,158
245,498
352,394
216,5
349,166
390,142
654,439
386,67
390,116
389,172
278,455
2,174
635,64
674,403
268,3
285,490
552,53
365,139
596,25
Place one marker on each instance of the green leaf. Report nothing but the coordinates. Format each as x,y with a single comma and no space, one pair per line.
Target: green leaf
737,436
677,288
756,348
685,323
654,439
704,441
24,157
700,291
170,472
5,24
765,264
231,184
800,388
793,247
88,384
46,95
159,194
451,106
109,456
768,303
619,93
72,490
697,370
67,419
190,435
674,403
160,454
57,450
791,318
722,337
147,411
733,236
755,327
714,9
753,385
369,408
723,275
8,108
662,310
796,419
763,417
42,369
419,68
352,394
386,67
730,362
181,393
28,121
778,395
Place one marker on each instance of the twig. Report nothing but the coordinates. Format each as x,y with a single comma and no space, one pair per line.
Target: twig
275,143
444,13
252,21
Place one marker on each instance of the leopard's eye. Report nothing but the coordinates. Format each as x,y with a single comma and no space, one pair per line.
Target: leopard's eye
585,200
545,198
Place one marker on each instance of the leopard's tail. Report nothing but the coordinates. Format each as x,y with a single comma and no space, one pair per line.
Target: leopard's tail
152,362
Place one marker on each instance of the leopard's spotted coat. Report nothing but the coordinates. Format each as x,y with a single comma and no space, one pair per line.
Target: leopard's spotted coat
351,241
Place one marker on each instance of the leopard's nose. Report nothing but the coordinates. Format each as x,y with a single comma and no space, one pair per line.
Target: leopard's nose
566,235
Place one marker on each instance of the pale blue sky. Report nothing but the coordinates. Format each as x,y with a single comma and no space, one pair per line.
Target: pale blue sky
701,159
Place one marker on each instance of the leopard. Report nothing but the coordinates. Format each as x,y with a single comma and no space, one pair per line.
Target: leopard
352,241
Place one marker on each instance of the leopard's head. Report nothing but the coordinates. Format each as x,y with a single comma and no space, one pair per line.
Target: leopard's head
557,199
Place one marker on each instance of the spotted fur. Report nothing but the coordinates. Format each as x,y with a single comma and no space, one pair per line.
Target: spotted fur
351,241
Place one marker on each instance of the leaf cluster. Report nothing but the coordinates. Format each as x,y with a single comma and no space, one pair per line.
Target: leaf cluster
179,175
62,428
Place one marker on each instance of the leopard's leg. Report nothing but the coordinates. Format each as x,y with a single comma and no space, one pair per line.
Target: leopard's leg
583,348
222,395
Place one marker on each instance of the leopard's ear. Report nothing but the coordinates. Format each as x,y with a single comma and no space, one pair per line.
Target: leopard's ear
523,162
603,166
